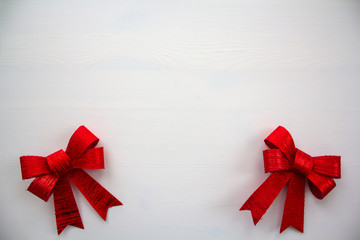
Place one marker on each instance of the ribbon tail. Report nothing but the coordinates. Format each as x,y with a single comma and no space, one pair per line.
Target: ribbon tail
66,210
259,202
294,204
99,198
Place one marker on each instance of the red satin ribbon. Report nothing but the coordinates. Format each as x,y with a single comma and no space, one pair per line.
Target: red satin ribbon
291,165
52,174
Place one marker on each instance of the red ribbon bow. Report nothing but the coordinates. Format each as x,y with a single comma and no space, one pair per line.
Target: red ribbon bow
52,174
289,164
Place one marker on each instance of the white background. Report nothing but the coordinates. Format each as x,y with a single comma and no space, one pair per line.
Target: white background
181,94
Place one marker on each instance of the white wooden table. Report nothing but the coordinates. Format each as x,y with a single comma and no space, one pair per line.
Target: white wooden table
181,94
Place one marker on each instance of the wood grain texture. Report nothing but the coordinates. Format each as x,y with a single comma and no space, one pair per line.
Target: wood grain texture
181,95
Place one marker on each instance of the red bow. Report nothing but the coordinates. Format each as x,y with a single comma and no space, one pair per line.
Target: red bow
289,164
54,171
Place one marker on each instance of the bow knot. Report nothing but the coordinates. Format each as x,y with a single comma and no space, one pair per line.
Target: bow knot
303,163
52,175
59,162
288,164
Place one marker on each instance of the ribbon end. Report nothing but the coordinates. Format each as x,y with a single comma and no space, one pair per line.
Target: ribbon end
253,214
270,188
104,211
43,196
98,197
66,211
78,225
299,228
293,215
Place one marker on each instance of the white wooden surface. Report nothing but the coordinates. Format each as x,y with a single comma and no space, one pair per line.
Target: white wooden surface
181,94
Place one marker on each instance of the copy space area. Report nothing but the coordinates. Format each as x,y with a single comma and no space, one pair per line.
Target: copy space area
181,95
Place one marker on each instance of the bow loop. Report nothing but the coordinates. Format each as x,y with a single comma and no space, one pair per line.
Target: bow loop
43,186
275,160
328,165
280,138
80,141
91,159
320,185
32,166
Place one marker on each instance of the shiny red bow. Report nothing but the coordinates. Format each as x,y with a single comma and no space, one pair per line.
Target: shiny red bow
52,174
289,164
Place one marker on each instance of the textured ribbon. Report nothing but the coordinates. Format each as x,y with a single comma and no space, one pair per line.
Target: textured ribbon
288,164
52,174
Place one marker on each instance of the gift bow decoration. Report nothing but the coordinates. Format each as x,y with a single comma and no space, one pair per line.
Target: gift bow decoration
52,174
289,164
